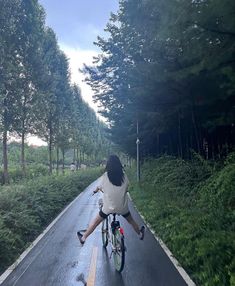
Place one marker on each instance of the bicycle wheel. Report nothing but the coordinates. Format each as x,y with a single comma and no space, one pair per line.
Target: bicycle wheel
105,232
119,250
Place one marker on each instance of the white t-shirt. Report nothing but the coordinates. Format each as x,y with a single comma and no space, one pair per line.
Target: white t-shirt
115,198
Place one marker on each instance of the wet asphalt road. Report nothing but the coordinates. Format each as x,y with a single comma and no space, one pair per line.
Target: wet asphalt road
60,260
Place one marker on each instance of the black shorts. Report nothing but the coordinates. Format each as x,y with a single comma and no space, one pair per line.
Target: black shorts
103,215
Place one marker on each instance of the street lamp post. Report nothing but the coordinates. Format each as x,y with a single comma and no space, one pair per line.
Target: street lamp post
137,153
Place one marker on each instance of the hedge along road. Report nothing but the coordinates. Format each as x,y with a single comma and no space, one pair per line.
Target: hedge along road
59,259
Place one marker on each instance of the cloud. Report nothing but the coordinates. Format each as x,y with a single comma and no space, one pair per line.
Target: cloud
35,141
77,58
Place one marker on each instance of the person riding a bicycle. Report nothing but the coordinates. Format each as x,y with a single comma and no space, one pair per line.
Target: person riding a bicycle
114,184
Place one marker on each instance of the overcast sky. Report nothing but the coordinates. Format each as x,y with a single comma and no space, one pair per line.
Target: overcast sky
77,23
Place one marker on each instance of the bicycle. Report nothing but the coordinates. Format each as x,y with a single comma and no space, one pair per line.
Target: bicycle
113,233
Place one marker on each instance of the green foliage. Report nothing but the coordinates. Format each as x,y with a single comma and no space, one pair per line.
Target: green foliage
230,158
26,209
191,207
36,95
33,171
169,64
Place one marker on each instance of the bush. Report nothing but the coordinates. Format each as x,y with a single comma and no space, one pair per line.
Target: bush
191,206
26,209
32,171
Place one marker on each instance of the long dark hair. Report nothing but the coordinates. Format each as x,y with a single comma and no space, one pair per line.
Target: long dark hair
115,170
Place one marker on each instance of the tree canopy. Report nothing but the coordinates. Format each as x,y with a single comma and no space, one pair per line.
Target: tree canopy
170,66
36,94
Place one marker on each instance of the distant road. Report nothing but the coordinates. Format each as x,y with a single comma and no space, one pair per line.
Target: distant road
59,259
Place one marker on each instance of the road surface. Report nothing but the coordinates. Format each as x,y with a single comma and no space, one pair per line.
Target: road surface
59,259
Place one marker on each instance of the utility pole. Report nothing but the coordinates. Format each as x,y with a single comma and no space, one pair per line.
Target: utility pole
137,152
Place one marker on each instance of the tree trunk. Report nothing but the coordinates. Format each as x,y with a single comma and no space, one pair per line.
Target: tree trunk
5,159
23,135
77,160
23,151
180,152
195,131
219,151
190,145
57,160
158,144
63,160
74,155
187,152
212,148
50,151
169,144
80,157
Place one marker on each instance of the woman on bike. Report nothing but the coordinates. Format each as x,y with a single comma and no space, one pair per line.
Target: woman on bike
113,183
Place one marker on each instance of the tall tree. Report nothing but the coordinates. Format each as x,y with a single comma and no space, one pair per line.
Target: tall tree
152,68
55,84
31,30
11,69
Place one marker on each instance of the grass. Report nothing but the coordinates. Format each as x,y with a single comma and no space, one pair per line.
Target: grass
191,207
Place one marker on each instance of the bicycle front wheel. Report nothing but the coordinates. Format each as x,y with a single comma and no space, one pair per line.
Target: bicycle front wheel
119,250
105,234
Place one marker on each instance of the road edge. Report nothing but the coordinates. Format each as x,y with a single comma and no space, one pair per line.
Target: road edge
12,267
175,262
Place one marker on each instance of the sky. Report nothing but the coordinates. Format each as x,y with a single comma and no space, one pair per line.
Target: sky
77,23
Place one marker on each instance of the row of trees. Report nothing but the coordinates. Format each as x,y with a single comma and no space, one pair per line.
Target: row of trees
36,96
170,66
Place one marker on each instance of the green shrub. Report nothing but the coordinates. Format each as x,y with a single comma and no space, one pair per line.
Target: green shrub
36,170
28,208
32,171
191,207
230,159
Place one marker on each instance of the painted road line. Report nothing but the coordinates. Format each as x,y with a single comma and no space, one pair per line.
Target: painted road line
92,272
175,262
36,241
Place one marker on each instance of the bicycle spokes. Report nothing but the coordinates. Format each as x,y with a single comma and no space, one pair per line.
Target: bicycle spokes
119,250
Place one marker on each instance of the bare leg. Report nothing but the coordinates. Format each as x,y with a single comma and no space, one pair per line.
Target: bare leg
98,219
133,223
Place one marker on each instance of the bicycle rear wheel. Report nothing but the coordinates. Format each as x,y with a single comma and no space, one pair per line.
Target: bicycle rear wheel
119,250
105,234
